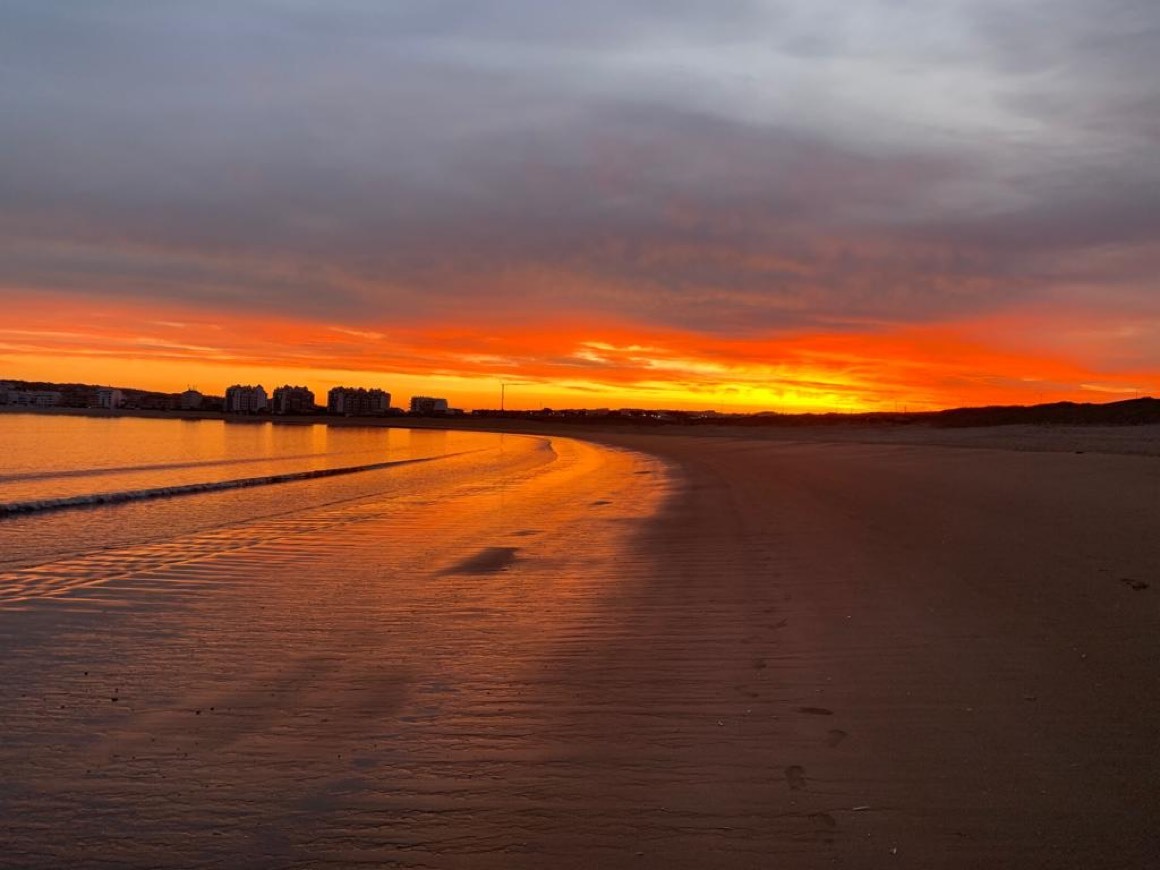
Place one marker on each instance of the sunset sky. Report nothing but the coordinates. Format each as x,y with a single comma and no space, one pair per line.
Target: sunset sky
794,205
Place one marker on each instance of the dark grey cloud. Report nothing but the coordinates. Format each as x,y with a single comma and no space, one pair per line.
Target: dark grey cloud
765,166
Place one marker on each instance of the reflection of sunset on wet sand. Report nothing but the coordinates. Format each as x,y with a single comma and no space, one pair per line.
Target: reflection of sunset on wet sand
363,677
552,652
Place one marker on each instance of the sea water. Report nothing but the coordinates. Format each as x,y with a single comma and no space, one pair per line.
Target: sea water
358,669
71,485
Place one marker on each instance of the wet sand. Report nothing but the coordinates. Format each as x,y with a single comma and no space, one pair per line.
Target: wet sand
921,656
812,655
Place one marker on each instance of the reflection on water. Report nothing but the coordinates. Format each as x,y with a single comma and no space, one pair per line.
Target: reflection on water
50,457
72,457
348,681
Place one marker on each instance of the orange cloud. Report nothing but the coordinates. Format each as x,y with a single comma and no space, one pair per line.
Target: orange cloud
573,363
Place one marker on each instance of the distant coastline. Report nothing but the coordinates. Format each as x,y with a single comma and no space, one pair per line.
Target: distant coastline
1052,436
277,419
1144,411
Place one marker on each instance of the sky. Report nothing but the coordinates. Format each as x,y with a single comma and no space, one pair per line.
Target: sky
783,205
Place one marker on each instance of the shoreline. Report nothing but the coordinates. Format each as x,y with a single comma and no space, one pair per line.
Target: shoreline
812,654
1126,439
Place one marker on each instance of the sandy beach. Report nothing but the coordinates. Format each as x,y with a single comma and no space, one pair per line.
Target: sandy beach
924,656
695,651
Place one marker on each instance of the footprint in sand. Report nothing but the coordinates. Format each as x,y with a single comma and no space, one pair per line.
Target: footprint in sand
795,776
825,826
816,711
824,821
489,560
835,736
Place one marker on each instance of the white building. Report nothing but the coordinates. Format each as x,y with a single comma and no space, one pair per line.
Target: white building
293,400
428,405
358,402
246,399
110,398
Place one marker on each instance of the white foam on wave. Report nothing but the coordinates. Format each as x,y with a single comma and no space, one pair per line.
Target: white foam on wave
96,499
53,474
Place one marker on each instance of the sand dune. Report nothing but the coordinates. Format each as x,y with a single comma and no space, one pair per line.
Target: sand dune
813,655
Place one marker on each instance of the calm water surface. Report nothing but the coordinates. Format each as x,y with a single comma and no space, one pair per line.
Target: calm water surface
47,459
358,670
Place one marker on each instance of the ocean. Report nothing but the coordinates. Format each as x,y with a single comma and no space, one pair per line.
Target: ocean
74,485
89,505
215,651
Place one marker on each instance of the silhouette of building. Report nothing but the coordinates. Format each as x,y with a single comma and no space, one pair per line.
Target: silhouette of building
293,400
150,401
358,402
34,398
190,400
246,399
428,405
110,398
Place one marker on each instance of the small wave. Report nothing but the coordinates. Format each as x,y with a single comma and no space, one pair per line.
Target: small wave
23,476
97,499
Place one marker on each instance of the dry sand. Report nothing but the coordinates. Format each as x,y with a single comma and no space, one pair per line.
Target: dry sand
816,655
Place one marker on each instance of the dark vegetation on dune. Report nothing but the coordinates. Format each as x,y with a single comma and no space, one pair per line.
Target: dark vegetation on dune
1131,412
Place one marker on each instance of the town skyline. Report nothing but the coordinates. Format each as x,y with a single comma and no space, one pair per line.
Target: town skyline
297,401
286,399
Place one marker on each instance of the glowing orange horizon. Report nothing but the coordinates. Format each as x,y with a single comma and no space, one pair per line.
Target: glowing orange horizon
563,364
